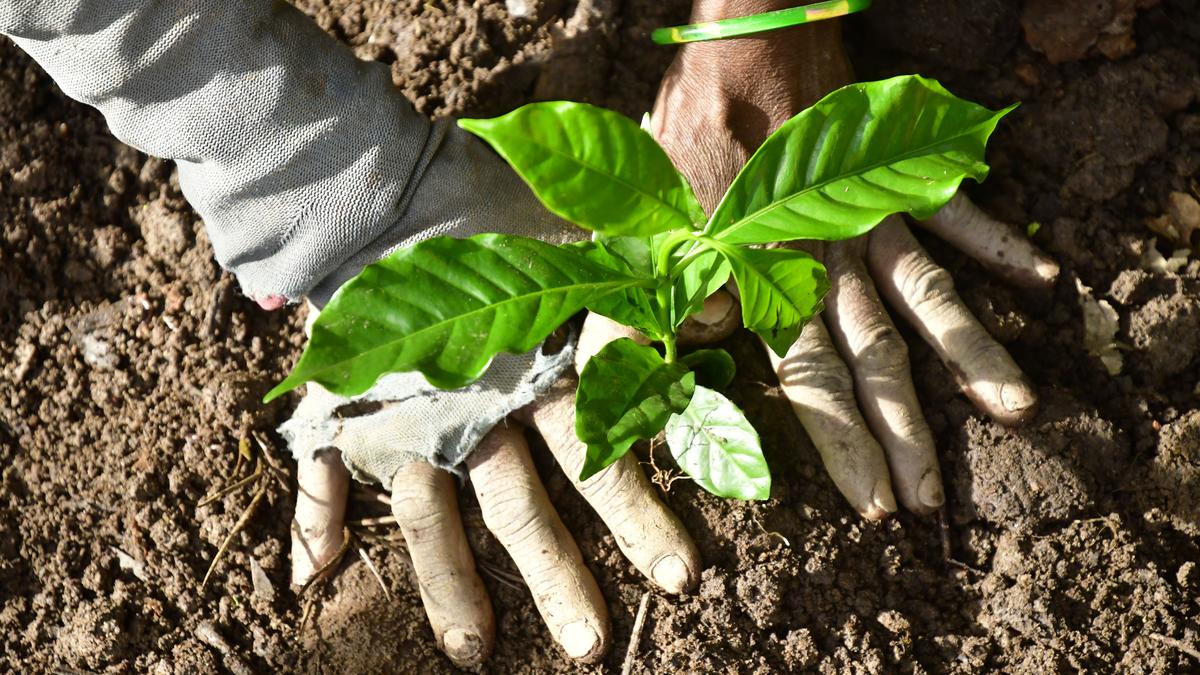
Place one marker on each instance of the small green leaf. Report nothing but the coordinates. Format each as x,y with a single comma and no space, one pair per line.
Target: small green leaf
705,276
626,392
714,444
445,307
632,307
780,288
714,368
860,154
593,167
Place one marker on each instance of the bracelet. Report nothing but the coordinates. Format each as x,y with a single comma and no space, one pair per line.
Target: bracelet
757,23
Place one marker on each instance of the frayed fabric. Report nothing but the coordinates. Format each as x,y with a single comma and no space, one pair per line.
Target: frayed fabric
306,165
411,420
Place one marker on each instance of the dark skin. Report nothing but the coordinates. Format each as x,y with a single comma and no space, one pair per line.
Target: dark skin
848,375
748,86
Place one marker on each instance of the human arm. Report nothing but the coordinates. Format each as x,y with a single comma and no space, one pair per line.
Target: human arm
848,374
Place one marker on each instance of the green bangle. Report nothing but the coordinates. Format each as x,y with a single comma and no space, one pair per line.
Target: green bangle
757,23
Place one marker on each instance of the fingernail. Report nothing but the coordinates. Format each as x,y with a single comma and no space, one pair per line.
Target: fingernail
1047,269
271,302
883,502
671,574
930,490
1016,397
461,645
578,639
716,308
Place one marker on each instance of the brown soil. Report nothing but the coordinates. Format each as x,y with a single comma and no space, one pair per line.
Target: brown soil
128,362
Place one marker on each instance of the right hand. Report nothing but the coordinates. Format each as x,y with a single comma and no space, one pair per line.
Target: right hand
850,384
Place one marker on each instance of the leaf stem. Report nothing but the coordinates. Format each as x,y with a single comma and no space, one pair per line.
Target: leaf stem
662,266
665,295
669,344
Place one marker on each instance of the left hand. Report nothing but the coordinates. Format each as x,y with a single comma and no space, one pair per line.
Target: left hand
850,384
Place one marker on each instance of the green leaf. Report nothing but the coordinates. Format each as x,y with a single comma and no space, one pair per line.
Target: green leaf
626,392
780,288
714,368
714,444
700,279
633,306
593,167
860,154
445,307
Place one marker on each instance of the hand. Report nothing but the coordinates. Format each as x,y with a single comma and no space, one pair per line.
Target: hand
387,442
848,375
517,510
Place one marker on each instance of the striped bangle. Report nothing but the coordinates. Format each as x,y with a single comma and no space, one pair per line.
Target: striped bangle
757,23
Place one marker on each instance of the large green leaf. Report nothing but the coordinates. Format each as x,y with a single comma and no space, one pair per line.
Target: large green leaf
714,444
780,288
626,392
593,167
445,307
633,306
860,154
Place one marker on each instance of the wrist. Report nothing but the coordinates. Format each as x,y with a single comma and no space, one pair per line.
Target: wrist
807,61
715,10
810,40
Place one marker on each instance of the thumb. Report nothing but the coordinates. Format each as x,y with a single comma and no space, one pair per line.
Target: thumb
719,318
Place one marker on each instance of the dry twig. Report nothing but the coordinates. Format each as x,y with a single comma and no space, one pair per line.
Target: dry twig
362,553
639,622
1177,644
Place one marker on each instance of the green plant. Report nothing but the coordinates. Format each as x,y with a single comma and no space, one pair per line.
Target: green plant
446,306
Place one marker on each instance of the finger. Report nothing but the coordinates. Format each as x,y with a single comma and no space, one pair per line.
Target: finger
878,359
322,483
924,294
717,321
426,508
997,246
648,533
821,391
517,510
598,331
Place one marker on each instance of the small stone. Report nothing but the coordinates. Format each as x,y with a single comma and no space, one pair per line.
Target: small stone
263,588
517,9
23,360
1188,576
97,353
894,622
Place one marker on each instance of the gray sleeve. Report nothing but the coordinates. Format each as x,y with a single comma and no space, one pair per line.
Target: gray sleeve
304,162
306,165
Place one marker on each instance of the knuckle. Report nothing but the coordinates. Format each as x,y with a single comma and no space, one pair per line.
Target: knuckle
443,581
928,286
911,425
821,370
884,352
512,513
609,489
419,526
416,494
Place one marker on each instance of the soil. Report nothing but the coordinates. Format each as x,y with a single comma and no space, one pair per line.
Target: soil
130,366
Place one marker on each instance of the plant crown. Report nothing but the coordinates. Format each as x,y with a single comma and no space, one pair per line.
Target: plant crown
446,307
